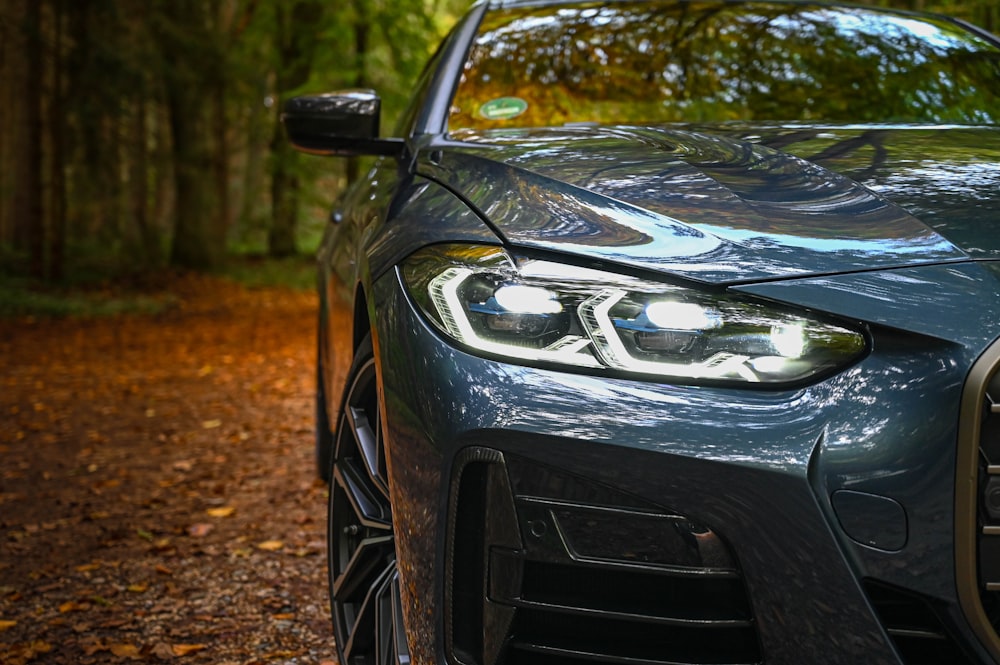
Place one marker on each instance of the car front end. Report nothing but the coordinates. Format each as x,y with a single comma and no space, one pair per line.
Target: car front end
700,390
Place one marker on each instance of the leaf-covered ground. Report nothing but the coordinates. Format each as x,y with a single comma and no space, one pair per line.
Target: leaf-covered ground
158,501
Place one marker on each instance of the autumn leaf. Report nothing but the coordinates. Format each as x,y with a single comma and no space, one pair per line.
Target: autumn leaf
162,545
185,649
87,567
125,651
73,606
211,424
223,511
199,530
137,588
4,625
270,545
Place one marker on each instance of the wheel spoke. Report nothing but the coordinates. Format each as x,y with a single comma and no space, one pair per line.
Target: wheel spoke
370,507
358,572
401,650
369,445
384,624
364,635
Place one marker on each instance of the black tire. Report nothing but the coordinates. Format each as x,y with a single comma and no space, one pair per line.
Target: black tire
364,581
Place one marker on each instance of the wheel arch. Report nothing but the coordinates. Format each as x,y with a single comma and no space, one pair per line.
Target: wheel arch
362,324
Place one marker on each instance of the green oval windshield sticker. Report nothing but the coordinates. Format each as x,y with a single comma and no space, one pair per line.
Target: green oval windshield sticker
503,108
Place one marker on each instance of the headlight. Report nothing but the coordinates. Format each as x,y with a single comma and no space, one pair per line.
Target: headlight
540,311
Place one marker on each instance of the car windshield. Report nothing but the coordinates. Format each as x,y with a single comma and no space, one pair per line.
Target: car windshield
700,62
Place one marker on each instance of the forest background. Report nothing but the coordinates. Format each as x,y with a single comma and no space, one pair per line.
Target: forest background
140,134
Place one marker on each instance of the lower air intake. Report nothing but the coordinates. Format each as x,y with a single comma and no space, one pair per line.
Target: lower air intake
919,635
550,569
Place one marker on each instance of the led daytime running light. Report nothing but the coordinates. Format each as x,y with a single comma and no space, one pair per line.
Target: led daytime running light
443,291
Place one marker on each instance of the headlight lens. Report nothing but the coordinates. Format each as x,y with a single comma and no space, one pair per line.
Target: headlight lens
543,311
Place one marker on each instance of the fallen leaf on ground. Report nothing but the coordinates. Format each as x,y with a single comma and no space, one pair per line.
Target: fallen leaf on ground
223,511
125,650
73,606
199,530
185,649
4,625
270,545
162,545
211,424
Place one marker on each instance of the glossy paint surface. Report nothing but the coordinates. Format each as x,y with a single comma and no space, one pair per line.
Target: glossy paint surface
720,208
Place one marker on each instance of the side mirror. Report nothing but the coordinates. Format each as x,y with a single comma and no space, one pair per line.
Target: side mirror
344,123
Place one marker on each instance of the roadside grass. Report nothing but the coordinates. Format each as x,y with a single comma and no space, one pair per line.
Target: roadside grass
29,298
294,272
149,292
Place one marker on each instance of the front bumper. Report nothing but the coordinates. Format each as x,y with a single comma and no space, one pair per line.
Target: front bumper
834,504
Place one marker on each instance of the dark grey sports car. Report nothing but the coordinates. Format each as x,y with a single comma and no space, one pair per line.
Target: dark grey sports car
666,332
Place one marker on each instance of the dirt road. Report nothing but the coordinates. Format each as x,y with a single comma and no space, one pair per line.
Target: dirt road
157,494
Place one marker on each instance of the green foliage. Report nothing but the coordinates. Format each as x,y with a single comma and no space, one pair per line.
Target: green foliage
296,272
30,298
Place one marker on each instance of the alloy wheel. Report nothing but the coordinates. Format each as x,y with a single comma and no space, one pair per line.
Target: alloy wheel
364,580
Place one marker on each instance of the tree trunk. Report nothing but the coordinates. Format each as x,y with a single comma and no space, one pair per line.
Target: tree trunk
284,196
221,159
195,243
258,151
296,42
11,71
26,211
57,114
195,65
149,238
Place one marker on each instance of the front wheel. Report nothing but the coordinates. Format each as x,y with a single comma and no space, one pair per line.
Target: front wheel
364,580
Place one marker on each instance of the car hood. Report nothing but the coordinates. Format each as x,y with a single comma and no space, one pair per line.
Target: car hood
736,203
